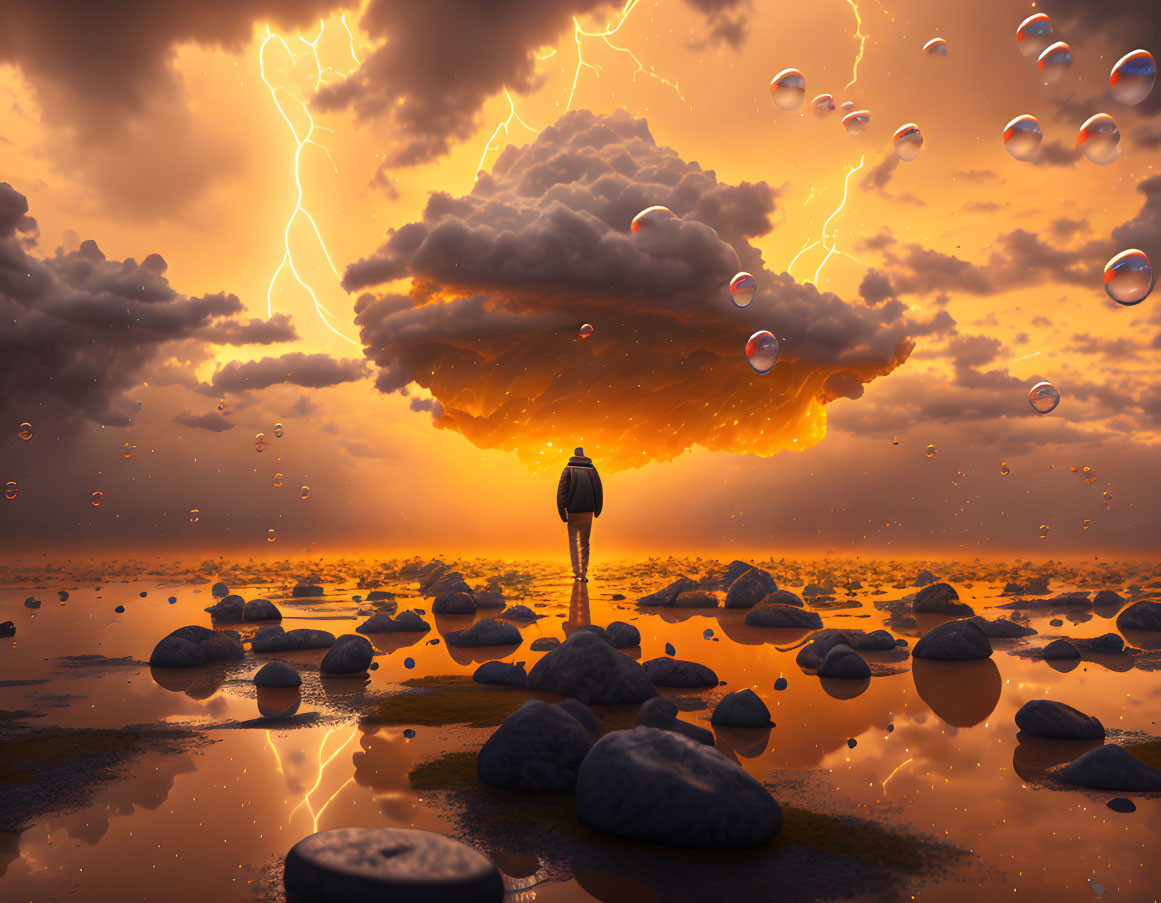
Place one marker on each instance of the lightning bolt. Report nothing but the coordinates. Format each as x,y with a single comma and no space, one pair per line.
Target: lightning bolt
862,42
301,141
306,801
512,114
831,248
896,771
1024,358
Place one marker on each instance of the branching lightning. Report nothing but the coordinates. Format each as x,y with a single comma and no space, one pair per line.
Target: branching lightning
862,42
831,248
301,141
306,801
512,114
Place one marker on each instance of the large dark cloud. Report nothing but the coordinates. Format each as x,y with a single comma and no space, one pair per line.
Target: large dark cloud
312,371
504,277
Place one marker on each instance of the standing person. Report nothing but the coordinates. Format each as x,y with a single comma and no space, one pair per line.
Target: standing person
579,498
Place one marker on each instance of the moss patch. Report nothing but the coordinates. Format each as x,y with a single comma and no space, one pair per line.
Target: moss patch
452,699
443,773
1148,752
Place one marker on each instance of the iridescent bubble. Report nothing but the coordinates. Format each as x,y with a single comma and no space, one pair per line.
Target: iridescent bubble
96,498
271,535
1099,138
1054,62
1004,469
1133,76
787,89
10,490
194,514
742,289
24,431
260,443
650,217
1128,277
823,105
935,47
586,330
278,431
1044,529
1034,34
1022,137
127,450
856,122
278,479
762,351
845,107
1044,398
907,140
304,492
930,451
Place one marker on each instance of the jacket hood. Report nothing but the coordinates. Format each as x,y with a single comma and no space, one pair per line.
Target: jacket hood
580,461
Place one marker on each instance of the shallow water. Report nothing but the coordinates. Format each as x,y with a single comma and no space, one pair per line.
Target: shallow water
936,750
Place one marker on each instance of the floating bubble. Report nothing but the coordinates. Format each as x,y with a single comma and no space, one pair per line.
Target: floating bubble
1133,76
10,490
260,443
304,492
1004,469
1034,34
823,105
907,140
194,514
1022,137
1098,139
787,89
278,480
742,289
24,431
1054,62
127,450
1128,277
1044,398
762,351
930,451
586,330
856,122
935,47
650,217
96,498
1044,530
845,107
221,405
278,431
271,535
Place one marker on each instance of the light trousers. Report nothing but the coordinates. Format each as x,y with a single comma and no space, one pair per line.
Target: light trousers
580,525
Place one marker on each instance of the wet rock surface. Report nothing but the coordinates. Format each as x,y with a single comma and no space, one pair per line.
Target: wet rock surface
592,671
275,639
743,709
954,641
779,615
672,672
194,646
485,633
349,656
537,749
1055,720
1111,768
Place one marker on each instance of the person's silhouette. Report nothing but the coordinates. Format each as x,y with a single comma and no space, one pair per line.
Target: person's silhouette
579,498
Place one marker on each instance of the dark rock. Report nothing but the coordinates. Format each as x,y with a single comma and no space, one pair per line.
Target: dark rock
230,608
1060,649
672,672
594,629
538,749
581,713
589,669
31,602
1122,805
696,598
1037,586
1056,622
811,590
306,589
488,600
782,597
741,709
485,633
261,610
458,603
358,865
275,639
660,787
8,628
670,649
621,635
661,713
219,590
1057,721
542,643
766,615
120,609
924,578
734,570
750,589
1143,615
377,595
1000,628
277,674
940,599
1106,644
1106,598
781,683
954,641
349,656
812,654
1111,768
843,663
669,594
194,646
1013,589
501,674
405,622
519,613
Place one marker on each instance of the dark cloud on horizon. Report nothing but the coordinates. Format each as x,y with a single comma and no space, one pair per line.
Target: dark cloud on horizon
210,420
503,278
727,20
278,328
311,371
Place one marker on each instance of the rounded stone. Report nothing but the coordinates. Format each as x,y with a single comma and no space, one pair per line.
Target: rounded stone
277,674
741,709
622,635
261,610
1045,718
781,615
954,641
350,655
673,672
589,669
537,749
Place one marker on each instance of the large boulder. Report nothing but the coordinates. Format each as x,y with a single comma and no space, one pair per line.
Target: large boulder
485,633
673,672
261,610
1107,598
660,787
750,589
741,709
782,597
940,599
457,603
1060,649
501,674
592,671
1105,644
581,713
194,646
734,570
488,600
812,654
766,615
1143,615
277,674
622,635
275,639
1001,628
219,590
405,622
230,608
306,590
696,598
954,641
1111,768
668,595
1036,586
537,749
1045,718
923,578
544,643
661,713
350,656
403,865
520,613
843,663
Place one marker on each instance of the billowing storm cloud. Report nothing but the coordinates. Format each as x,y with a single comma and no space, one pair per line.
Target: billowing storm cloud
503,278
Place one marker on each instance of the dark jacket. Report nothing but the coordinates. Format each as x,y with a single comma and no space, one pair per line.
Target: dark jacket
579,489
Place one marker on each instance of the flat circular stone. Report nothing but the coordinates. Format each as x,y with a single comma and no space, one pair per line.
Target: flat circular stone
361,865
